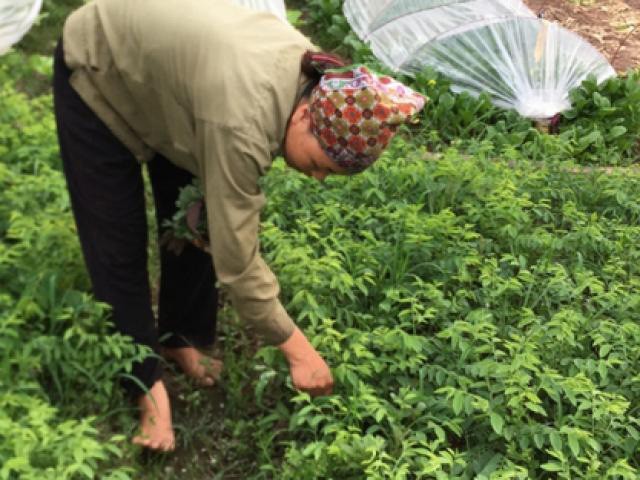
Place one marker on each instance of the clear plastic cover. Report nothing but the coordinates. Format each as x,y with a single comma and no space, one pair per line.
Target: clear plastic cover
522,62
16,18
395,28
276,7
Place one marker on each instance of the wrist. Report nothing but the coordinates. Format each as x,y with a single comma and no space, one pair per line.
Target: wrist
296,348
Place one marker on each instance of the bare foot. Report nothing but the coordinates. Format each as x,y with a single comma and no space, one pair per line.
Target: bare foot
156,431
203,369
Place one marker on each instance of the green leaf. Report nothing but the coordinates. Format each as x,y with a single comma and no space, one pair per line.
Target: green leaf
590,139
552,467
601,101
497,422
490,466
633,432
447,101
574,444
534,407
616,132
604,350
602,370
556,441
458,402
86,471
294,17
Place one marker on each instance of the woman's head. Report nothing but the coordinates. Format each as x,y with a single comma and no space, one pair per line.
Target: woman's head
302,149
348,120
355,113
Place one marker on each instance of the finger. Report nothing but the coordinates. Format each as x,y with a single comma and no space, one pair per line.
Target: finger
319,390
326,391
325,384
315,387
327,387
207,382
168,446
143,441
214,368
314,392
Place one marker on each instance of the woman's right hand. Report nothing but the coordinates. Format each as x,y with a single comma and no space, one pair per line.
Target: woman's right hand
309,372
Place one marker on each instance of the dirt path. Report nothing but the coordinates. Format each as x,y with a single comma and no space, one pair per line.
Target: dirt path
612,26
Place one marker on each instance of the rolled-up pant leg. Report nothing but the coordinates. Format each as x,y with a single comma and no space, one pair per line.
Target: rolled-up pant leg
107,197
188,299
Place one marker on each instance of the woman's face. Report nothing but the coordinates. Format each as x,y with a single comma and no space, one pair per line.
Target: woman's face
302,150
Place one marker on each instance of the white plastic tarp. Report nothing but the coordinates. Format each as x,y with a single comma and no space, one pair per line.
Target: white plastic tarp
396,28
495,46
16,18
522,63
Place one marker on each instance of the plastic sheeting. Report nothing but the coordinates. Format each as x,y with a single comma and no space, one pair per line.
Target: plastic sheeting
395,29
16,18
499,47
522,63
276,7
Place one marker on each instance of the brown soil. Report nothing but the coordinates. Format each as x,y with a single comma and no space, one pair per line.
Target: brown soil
612,26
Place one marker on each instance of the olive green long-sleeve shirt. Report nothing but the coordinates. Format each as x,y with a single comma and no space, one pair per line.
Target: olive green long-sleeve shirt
210,86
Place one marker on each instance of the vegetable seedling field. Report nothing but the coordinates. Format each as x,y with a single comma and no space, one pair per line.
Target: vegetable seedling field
476,293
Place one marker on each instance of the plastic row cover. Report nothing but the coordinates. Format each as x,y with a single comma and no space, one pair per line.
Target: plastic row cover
16,18
497,47
396,29
522,63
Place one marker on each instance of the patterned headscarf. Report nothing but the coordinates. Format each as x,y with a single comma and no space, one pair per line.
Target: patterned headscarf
355,113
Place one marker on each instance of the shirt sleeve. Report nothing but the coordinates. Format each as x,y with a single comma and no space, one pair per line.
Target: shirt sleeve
232,162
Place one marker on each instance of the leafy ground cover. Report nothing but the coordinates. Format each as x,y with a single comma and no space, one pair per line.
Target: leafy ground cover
57,360
477,293
482,320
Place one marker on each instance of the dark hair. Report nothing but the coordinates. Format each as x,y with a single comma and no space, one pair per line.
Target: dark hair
314,64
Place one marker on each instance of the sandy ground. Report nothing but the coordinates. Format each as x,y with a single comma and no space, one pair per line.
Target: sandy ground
612,26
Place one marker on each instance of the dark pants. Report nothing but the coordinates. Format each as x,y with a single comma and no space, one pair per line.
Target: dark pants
107,196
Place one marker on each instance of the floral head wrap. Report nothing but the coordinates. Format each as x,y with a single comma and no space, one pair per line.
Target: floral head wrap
355,113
